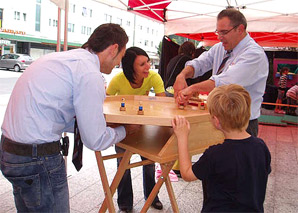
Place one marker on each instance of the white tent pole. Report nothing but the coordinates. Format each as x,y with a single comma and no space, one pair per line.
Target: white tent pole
65,26
58,30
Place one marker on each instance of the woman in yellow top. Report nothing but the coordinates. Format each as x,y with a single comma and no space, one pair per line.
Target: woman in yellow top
136,79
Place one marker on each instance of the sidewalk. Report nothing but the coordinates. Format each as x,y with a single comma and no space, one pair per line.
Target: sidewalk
86,193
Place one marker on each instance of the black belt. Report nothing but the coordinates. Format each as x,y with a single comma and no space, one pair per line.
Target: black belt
22,149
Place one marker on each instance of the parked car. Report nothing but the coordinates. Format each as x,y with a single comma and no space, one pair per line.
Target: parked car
16,61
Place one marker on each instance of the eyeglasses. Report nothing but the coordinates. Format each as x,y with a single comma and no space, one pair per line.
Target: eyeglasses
224,32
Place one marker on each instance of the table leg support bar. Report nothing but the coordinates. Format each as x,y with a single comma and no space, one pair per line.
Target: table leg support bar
166,168
171,193
104,181
119,174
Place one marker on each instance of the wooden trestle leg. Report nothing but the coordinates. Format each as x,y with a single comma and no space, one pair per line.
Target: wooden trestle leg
166,168
108,201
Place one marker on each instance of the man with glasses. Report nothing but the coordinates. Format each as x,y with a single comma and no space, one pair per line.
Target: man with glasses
236,59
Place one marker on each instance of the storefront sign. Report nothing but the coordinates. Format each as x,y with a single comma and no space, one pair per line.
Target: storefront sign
5,42
12,31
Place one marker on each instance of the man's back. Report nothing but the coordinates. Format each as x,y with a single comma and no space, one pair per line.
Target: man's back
174,67
234,175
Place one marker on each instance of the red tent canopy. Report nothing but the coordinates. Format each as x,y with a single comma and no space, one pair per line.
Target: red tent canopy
272,23
264,39
152,8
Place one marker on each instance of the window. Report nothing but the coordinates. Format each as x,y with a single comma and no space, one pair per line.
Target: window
16,15
147,29
83,30
37,15
152,31
146,42
70,27
108,18
84,11
88,30
151,43
90,13
72,8
119,21
140,27
24,16
128,23
50,22
55,23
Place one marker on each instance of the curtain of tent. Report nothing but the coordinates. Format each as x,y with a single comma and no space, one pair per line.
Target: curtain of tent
169,49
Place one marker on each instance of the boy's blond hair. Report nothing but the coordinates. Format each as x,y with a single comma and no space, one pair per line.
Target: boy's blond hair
231,105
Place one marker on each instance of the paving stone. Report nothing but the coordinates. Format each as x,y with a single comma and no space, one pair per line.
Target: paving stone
86,193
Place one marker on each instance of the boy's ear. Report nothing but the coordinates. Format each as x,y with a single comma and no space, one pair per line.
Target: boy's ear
216,122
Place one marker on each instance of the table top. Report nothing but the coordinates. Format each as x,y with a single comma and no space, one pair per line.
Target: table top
157,110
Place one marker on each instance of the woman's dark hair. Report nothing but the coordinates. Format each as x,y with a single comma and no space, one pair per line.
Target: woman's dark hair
235,16
128,61
187,48
199,51
284,69
104,36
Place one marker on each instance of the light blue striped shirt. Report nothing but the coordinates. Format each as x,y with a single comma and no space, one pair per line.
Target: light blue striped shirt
247,66
53,90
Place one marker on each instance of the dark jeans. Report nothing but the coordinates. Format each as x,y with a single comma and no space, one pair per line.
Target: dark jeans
124,190
291,110
253,127
39,184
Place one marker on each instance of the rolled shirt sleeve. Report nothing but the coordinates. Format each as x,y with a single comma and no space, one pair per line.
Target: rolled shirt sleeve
53,90
89,95
248,66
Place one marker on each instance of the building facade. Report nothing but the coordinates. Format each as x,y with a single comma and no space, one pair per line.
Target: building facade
30,26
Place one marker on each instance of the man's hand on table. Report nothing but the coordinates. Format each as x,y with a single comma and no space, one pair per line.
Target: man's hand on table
179,85
184,95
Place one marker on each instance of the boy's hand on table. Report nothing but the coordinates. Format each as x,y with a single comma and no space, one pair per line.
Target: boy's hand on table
181,127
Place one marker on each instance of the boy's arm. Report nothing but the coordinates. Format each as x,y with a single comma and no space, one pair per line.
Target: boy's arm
181,128
184,161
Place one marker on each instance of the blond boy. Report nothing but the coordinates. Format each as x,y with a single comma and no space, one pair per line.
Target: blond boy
234,174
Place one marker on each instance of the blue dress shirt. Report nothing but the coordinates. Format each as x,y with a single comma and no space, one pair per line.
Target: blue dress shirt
51,92
247,66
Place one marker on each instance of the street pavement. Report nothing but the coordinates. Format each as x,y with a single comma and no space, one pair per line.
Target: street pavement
86,193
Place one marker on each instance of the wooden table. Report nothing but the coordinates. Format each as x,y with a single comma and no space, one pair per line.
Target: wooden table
155,140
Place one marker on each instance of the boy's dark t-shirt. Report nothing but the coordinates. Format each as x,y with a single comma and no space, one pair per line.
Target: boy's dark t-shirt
234,175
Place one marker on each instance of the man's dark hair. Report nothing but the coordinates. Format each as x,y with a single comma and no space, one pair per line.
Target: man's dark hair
104,36
128,61
235,16
187,48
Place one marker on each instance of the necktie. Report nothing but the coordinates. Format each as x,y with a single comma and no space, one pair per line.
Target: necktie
222,65
78,148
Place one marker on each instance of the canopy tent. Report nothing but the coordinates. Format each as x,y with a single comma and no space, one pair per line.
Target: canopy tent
272,23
